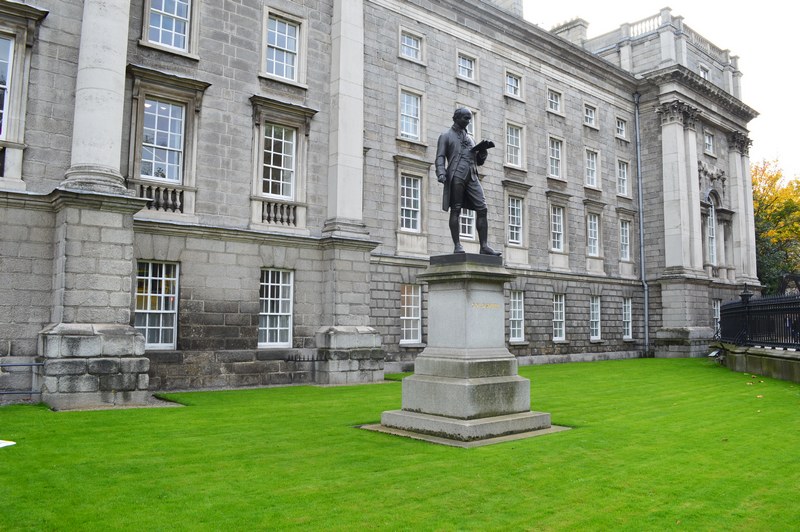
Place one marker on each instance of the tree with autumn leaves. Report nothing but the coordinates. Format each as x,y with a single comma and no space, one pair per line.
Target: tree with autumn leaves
776,206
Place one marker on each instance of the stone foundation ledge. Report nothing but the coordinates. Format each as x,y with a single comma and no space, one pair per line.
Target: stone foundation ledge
63,340
465,430
780,364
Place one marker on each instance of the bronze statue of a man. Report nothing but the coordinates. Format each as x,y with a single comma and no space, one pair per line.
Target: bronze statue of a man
457,161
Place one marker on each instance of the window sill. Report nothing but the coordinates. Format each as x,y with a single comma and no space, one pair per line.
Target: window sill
419,62
596,341
173,51
518,343
556,113
624,139
590,126
514,98
269,77
416,142
468,80
561,342
410,345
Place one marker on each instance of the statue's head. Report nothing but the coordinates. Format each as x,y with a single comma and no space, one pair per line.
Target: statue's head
462,117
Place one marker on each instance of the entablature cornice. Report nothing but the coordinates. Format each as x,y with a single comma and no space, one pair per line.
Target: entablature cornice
685,77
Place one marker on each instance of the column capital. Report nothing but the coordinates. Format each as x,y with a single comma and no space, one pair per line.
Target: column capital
738,141
679,112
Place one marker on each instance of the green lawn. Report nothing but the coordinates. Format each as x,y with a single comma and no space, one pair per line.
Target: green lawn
656,445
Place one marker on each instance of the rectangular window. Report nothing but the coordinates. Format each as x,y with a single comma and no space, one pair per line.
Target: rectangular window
156,315
554,152
410,191
169,23
283,47
708,142
624,240
592,235
704,72
516,316
622,178
275,311
513,145
280,149
556,228
410,46
622,128
162,140
410,314
558,317
627,322
513,85
467,67
6,50
591,168
594,318
514,220
716,306
711,233
467,224
590,115
410,115
553,101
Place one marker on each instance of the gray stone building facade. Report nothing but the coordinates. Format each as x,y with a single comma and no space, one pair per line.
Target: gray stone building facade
200,194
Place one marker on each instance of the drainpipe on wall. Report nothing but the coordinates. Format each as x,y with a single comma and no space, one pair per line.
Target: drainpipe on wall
642,268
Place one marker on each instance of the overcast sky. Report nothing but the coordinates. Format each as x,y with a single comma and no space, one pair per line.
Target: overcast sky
763,35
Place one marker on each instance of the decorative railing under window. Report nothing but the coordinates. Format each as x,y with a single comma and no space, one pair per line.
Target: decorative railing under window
768,321
162,196
280,213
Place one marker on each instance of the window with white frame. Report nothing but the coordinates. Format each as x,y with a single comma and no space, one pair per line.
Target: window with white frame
590,115
594,318
554,157
553,101
466,224
624,240
279,162
556,228
627,318
279,177
162,140
716,307
559,321
410,46
410,203
704,72
275,308
592,158
622,178
711,234
513,84
168,23
283,53
515,220
410,115
410,314
513,145
18,36
467,67
593,234
622,128
516,315
156,313
708,142
164,144
6,57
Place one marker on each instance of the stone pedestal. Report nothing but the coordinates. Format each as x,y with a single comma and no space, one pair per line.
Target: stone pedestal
465,386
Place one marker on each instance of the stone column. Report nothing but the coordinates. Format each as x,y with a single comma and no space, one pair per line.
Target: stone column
465,385
92,355
681,217
346,152
349,350
741,188
99,98
694,223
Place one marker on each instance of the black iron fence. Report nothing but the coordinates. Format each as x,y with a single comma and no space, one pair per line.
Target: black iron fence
764,321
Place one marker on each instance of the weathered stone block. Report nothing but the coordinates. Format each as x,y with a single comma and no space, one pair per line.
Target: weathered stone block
78,383
134,365
65,367
118,382
99,366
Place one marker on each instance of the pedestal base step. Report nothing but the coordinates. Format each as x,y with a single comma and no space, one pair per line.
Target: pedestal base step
465,430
